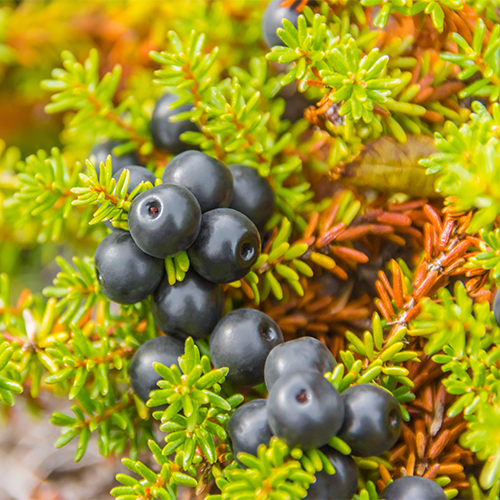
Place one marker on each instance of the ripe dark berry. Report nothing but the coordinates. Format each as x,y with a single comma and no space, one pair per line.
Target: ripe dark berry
126,274
341,485
137,175
207,178
166,134
304,354
372,421
241,341
295,106
305,410
227,246
252,195
143,377
413,488
164,220
248,428
496,308
102,150
273,19
189,308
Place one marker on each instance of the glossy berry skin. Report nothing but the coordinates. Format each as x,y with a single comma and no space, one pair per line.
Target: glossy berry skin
372,421
252,195
340,486
143,377
166,134
304,354
164,220
496,308
137,175
413,488
207,178
242,341
227,246
273,19
189,308
126,274
305,410
248,428
102,150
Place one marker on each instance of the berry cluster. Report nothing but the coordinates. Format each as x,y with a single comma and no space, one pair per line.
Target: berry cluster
305,410
202,207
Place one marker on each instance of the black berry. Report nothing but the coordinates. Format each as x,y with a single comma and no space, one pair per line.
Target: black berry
189,308
242,341
252,195
137,175
413,488
207,178
273,19
227,246
166,134
295,106
248,428
305,410
341,485
102,150
372,421
304,354
164,220
126,274
143,377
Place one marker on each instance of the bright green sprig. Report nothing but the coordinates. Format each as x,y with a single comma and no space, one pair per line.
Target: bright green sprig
80,358
381,363
117,423
468,165
479,57
195,389
110,193
78,290
7,385
463,337
45,194
78,88
269,475
359,82
162,485
282,262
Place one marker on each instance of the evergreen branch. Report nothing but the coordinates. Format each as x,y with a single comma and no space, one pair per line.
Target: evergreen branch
109,192
194,390
475,58
7,385
45,193
269,475
466,337
78,290
467,166
77,88
118,424
161,485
